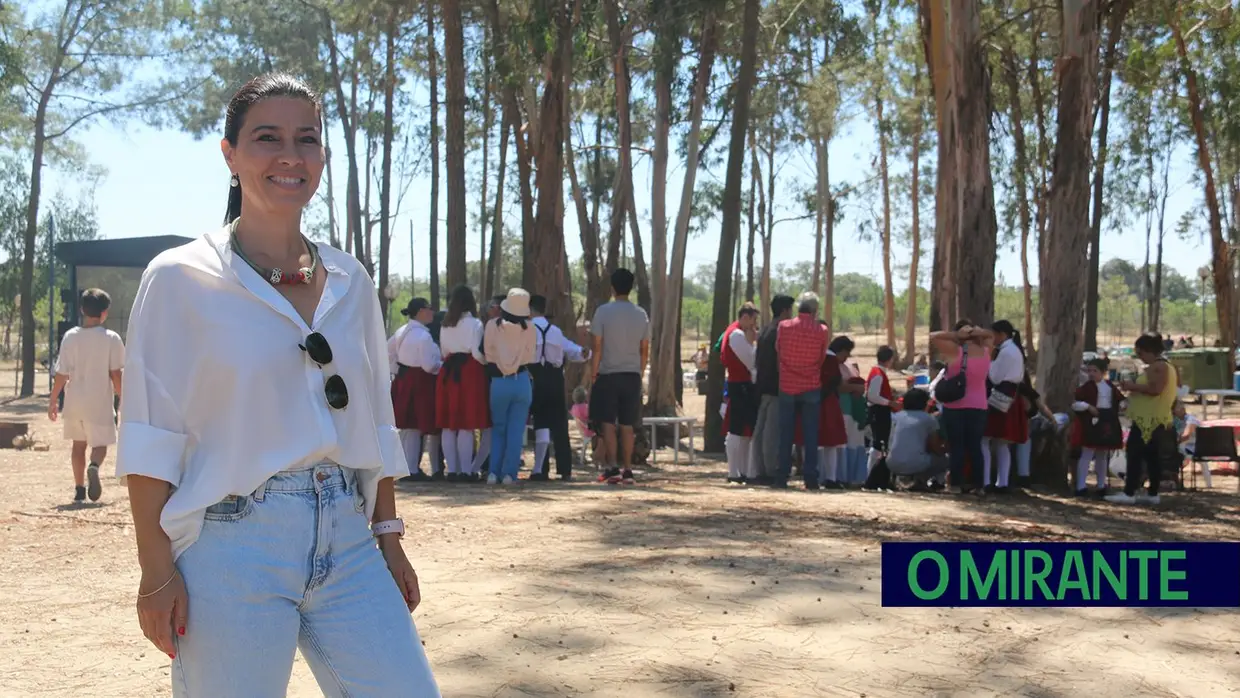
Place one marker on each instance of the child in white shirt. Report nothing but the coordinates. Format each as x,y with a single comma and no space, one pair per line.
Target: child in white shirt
88,370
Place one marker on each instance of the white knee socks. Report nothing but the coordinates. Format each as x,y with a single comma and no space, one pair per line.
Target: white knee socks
735,446
1003,455
411,442
1102,463
542,443
449,451
465,451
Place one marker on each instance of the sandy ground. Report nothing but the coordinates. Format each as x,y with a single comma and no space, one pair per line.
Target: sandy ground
680,586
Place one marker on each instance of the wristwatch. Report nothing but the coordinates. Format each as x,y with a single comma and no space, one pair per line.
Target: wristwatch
382,528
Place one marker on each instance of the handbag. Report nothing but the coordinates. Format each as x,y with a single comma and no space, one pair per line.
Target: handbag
999,401
953,388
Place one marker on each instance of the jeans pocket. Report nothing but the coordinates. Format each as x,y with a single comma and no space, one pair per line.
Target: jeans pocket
230,508
359,500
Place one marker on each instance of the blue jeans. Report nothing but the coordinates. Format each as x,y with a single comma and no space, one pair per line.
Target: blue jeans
510,410
295,565
807,404
964,440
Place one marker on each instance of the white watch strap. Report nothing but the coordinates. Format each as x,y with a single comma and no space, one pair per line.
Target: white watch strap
381,528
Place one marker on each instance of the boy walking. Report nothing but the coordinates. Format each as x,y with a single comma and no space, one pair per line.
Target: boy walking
621,332
88,369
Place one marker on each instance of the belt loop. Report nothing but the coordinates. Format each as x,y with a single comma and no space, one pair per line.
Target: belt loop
262,490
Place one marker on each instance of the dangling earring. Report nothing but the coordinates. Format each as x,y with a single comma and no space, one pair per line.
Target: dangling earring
234,181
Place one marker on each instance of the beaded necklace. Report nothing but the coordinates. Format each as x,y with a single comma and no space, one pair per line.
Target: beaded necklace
275,275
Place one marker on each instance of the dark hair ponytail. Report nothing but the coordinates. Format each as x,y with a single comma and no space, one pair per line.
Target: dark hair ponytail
256,90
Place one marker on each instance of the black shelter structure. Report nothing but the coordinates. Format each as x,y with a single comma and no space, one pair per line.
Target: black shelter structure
115,266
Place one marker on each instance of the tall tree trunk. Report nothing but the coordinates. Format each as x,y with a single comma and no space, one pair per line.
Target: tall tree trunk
333,228
346,111
496,259
910,319
454,57
940,59
977,229
433,77
1011,74
486,161
619,35
1039,113
385,186
889,297
546,253
753,230
1221,262
666,58
820,217
1062,281
1156,313
28,247
731,215
758,192
664,373
1116,11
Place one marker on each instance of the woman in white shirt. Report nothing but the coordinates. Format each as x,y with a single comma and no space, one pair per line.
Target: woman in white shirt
1006,421
413,358
258,442
462,392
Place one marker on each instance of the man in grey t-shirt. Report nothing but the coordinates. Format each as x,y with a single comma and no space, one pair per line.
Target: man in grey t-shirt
621,332
909,453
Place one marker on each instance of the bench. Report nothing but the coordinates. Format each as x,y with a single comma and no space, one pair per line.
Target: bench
676,423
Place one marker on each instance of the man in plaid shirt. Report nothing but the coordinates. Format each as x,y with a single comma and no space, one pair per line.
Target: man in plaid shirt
802,347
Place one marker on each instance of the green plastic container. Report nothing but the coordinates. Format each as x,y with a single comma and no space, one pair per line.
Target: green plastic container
1203,369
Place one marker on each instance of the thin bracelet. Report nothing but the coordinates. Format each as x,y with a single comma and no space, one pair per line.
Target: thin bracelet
161,588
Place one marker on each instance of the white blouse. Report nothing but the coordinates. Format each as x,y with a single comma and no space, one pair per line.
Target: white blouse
413,346
1008,366
465,336
218,396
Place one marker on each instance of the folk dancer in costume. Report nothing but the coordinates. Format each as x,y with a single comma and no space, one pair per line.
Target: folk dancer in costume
763,459
550,413
1097,431
880,397
832,428
736,347
1004,428
482,459
461,399
414,360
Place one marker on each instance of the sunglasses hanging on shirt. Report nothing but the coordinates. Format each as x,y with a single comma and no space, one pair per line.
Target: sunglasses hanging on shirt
320,352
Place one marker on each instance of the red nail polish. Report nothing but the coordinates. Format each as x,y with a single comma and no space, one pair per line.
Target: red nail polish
181,630
171,656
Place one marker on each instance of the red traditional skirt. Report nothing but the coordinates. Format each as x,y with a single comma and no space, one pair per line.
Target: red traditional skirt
1106,435
1011,426
746,432
413,399
462,398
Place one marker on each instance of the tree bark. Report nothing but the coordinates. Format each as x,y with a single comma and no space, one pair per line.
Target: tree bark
546,251
1062,278
910,319
433,77
385,186
1116,11
1011,74
943,305
28,247
731,215
486,162
1221,262
454,57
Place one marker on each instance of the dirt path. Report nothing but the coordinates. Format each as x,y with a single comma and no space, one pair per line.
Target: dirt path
681,586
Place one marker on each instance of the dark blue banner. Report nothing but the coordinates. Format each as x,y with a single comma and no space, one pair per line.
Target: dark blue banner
1202,575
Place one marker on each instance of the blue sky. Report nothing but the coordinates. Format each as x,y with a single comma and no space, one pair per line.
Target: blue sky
162,182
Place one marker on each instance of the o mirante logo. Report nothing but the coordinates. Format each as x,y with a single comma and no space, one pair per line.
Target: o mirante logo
1061,574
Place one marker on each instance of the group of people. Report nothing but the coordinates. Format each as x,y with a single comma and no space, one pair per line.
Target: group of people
791,391
458,381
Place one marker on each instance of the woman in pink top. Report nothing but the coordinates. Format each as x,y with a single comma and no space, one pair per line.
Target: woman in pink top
965,419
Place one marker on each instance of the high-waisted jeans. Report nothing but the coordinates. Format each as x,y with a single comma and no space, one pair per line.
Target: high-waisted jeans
510,410
295,565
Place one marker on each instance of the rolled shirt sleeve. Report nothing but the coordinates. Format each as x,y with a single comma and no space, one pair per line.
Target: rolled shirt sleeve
390,449
152,439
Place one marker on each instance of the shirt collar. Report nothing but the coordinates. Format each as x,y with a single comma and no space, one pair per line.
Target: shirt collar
333,291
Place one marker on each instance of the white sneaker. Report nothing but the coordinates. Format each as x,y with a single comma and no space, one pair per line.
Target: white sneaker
1150,499
1120,498
508,480
492,480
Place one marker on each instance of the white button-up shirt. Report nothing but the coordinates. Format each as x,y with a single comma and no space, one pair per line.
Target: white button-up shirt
463,337
413,346
218,396
1008,366
556,347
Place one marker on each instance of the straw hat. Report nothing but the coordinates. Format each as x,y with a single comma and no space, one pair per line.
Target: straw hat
517,303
